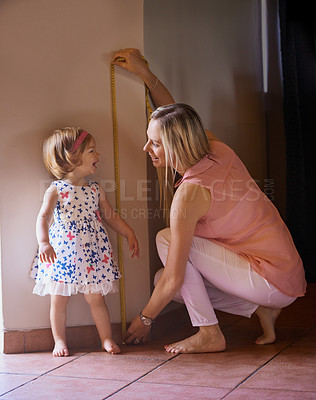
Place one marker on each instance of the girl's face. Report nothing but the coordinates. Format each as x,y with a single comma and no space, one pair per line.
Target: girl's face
154,145
89,159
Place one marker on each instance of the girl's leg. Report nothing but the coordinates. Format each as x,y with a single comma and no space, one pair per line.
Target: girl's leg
102,321
58,316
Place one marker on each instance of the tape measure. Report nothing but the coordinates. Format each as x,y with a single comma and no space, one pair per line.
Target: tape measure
117,189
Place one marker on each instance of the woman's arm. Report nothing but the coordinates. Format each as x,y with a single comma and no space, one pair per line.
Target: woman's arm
132,61
45,250
190,203
118,224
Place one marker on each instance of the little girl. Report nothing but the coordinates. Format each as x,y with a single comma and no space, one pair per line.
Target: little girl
75,254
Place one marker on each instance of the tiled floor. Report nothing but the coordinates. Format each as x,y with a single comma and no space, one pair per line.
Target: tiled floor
284,370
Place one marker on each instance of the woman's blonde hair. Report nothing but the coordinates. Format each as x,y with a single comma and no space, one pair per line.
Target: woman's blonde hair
58,151
184,141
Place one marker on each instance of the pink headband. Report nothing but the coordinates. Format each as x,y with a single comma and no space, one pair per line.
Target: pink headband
79,140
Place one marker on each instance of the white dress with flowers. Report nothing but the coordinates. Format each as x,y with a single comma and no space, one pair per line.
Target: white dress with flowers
85,261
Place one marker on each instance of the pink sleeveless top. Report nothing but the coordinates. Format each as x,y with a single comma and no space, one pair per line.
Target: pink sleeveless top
243,219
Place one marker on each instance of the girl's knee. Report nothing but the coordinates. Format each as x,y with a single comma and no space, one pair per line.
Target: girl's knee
57,300
93,298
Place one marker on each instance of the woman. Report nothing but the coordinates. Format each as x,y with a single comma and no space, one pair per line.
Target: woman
227,248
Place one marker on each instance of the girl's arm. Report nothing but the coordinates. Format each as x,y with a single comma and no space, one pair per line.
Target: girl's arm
191,202
118,224
45,250
131,60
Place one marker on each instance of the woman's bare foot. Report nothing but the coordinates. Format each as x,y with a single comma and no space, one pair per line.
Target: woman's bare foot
111,347
209,339
267,317
60,349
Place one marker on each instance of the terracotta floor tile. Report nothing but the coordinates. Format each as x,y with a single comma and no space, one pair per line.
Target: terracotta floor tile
293,369
199,374
309,339
59,388
225,319
152,391
254,356
268,394
245,331
11,381
287,366
148,350
300,312
105,366
32,363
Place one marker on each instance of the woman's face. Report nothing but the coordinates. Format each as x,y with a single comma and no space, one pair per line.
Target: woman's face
154,145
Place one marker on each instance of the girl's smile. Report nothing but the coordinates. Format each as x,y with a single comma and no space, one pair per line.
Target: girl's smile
89,159
88,166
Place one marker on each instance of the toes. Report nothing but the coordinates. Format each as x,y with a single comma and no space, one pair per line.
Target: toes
172,349
112,348
60,352
115,350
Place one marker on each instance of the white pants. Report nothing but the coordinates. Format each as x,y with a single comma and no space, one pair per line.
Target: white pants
217,278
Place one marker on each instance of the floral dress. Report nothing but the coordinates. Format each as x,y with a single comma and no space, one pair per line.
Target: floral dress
85,261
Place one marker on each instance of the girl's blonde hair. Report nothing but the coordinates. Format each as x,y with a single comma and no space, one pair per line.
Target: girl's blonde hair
58,154
184,141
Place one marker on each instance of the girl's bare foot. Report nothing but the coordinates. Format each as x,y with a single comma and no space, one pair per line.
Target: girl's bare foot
111,347
267,317
209,339
60,349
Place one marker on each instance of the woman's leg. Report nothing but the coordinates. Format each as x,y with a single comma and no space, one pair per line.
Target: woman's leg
58,316
102,321
209,338
231,274
220,300
201,296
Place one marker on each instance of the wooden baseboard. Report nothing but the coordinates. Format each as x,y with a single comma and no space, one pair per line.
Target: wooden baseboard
29,341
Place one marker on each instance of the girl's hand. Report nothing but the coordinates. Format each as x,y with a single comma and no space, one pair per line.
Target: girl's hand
131,60
137,332
133,245
46,253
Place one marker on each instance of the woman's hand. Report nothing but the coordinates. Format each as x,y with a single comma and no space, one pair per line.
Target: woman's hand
131,60
46,253
133,245
137,332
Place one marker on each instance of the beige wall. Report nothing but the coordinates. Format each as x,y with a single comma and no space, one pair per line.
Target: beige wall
54,72
208,52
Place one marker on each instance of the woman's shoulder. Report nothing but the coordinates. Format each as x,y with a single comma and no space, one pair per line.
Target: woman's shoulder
218,147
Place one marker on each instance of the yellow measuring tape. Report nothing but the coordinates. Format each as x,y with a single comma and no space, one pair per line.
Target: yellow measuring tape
117,190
